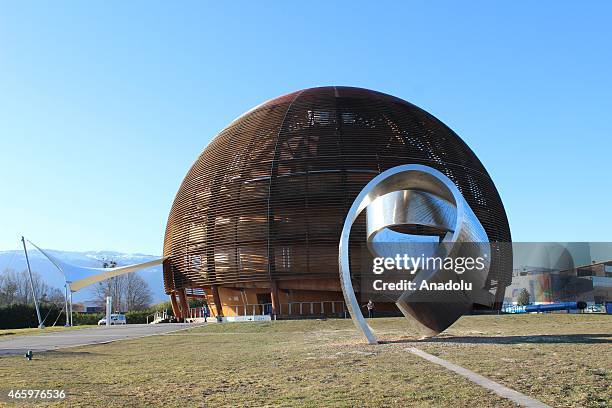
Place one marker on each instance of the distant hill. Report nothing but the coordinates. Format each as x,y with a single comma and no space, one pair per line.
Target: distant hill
15,259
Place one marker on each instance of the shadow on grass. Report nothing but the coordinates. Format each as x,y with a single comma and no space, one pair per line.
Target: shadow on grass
591,338
67,352
39,352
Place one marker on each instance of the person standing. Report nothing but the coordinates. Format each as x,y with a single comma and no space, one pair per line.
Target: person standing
370,307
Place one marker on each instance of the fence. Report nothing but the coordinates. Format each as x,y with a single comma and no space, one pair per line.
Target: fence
291,309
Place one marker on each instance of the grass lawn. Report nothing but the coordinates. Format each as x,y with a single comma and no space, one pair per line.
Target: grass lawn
563,360
35,330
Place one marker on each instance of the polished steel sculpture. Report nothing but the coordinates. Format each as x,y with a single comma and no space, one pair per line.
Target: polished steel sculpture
419,196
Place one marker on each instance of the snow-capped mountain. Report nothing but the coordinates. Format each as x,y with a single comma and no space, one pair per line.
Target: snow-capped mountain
15,259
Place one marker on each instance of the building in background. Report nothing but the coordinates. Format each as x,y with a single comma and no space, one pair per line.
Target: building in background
588,283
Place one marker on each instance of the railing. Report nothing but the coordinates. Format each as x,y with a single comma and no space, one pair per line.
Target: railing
321,308
327,308
158,316
198,312
513,309
252,309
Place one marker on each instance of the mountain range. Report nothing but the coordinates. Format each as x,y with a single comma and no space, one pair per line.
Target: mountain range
15,259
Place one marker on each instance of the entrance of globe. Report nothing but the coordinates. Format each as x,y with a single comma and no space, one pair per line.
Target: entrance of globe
265,299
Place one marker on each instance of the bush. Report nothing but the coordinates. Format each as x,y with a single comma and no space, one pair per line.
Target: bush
80,319
20,316
93,318
523,298
160,307
138,316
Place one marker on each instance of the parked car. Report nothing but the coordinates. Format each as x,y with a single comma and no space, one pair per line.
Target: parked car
595,309
116,318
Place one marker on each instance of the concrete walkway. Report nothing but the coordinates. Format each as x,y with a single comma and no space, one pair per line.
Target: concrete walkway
505,392
19,344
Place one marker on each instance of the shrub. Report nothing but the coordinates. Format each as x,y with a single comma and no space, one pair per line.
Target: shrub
138,316
20,315
160,307
523,298
79,319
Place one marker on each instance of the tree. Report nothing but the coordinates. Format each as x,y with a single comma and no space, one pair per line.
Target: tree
137,292
129,292
15,288
523,298
110,287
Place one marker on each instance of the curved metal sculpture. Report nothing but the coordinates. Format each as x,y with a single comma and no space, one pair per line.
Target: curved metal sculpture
417,195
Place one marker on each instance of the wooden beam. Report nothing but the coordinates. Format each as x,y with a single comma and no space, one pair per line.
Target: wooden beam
275,301
184,306
217,299
175,308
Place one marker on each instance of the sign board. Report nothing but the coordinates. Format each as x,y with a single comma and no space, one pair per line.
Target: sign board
248,318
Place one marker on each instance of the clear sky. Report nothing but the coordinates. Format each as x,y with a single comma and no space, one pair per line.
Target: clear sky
105,106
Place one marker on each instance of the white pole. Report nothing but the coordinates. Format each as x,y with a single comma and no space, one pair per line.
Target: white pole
71,322
40,323
109,305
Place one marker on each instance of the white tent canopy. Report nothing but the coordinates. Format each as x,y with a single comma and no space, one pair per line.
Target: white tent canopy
78,277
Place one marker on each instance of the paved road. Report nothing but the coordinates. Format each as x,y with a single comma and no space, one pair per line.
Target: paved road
70,338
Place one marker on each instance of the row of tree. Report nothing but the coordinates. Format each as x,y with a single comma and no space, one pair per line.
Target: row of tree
15,288
129,292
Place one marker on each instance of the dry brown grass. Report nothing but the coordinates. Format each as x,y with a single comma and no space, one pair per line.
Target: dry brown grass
325,363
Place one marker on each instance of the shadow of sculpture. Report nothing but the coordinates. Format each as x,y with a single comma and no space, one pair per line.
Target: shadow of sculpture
588,338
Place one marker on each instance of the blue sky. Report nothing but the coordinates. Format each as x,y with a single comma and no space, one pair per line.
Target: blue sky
104,107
